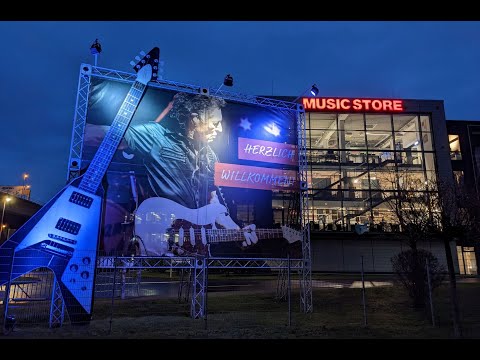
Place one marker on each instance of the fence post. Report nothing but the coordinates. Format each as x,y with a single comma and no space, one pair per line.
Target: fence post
7,330
123,278
427,268
113,291
205,296
289,290
363,298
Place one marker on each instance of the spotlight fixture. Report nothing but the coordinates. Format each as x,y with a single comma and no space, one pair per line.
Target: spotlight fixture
228,81
313,91
96,48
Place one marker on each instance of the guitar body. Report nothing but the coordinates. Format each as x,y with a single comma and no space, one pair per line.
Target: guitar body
166,228
62,236
157,220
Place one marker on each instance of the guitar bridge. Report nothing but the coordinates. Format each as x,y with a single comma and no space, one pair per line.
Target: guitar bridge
56,249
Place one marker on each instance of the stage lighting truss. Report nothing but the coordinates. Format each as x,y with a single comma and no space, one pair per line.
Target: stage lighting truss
88,71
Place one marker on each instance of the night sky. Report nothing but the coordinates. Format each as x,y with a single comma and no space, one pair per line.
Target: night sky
40,65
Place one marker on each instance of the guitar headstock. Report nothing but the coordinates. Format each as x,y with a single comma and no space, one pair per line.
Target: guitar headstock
147,66
291,235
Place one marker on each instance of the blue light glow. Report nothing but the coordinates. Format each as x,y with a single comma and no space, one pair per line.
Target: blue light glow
272,129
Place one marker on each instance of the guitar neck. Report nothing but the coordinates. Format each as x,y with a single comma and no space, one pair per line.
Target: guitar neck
225,235
94,174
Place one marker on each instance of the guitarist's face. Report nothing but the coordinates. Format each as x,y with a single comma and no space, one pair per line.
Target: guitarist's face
209,124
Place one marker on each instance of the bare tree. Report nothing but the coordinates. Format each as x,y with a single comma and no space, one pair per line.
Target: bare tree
430,209
456,218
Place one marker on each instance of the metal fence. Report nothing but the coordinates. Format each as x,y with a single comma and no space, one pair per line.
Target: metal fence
237,298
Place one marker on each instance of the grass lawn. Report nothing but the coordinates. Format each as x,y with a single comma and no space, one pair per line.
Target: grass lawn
338,313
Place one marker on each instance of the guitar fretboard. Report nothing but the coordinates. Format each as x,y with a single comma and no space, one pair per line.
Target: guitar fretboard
224,235
94,174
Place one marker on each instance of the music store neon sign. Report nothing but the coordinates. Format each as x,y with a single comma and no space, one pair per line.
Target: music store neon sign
351,104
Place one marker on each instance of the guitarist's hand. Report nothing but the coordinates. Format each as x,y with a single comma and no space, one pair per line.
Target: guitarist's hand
227,222
250,236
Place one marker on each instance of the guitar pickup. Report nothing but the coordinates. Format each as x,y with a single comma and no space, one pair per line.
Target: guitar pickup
68,226
61,238
81,199
56,249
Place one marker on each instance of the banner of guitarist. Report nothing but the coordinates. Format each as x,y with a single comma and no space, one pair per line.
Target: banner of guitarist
195,174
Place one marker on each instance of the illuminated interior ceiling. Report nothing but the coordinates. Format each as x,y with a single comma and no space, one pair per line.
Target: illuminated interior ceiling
378,131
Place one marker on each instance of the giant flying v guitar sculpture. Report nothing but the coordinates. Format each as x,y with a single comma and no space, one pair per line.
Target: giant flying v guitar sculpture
63,235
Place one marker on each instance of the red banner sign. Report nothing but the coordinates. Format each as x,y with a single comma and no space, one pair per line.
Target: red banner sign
355,105
267,151
254,177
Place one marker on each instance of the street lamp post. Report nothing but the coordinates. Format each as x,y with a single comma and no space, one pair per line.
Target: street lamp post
5,200
25,177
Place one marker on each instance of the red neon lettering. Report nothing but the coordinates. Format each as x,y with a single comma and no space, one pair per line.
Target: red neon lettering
331,104
345,104
377,105
321,104
308,103
398,105
387,105
357,104
367,102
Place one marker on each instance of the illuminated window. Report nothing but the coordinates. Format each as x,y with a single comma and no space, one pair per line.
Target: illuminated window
458,175
467,262
245,212
357,161
455,153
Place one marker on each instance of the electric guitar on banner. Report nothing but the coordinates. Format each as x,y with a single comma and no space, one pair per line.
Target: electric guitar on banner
163,225
63,235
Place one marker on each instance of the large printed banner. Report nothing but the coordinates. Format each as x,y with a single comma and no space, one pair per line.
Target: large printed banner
254,177
267,151
192,156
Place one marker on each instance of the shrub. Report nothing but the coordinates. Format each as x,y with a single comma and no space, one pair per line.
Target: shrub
410,268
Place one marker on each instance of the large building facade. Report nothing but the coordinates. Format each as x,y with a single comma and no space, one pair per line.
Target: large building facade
360,151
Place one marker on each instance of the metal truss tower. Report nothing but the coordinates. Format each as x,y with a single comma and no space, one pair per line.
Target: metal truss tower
306,282
57,306
198,307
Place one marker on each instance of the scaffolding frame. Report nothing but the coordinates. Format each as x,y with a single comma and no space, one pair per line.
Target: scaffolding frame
88,71
306,297
57,306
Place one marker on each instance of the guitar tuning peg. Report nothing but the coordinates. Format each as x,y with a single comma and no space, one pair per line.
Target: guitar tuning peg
181,235
203,235
132,63
192,236
142,53
137,58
